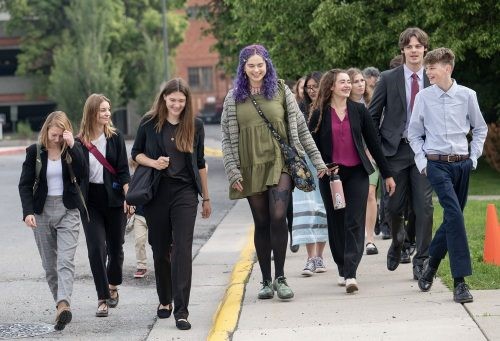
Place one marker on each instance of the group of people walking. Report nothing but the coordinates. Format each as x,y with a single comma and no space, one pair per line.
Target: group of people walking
411,129
67,179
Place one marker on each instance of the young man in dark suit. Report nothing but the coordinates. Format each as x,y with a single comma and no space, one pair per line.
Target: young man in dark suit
391,108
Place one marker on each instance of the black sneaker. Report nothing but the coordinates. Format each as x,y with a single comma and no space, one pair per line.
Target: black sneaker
461,293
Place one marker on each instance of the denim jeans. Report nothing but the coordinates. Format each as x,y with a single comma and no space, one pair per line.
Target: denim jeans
450,181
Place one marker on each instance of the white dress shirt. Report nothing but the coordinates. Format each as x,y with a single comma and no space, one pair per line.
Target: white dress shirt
445,119
408,80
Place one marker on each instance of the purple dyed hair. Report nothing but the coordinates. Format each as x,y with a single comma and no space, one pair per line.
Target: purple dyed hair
241,83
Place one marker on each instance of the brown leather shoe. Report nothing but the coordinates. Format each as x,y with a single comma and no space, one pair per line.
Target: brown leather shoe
63,316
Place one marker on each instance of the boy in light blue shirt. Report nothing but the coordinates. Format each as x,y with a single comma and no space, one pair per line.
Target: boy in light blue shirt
443,115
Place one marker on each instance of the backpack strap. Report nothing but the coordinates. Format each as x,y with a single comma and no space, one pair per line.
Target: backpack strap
38,167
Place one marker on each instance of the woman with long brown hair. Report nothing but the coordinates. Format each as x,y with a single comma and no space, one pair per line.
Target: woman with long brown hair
107,185
339,127
50,200
171,141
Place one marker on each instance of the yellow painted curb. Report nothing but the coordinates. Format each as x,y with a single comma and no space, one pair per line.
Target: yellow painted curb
227,314
213,152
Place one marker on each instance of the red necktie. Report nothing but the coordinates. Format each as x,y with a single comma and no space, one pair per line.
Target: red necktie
414,90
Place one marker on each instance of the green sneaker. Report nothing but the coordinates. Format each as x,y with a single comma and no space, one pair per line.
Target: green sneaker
282,289
267,290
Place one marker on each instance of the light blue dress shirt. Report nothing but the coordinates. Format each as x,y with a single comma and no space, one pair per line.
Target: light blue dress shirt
445,119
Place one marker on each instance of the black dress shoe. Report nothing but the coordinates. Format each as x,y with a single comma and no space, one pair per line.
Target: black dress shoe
294,248
394,256
163,313
405,256
417,271
461,293
182,324
427,277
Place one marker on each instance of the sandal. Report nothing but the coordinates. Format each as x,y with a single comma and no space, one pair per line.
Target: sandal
102,312
63,316
113,301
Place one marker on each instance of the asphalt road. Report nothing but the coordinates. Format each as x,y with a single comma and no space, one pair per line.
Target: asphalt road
24,293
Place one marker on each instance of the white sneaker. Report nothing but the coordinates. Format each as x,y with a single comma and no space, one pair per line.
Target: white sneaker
351,285
341,281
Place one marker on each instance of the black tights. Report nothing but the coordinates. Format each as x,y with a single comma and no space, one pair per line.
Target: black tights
269,210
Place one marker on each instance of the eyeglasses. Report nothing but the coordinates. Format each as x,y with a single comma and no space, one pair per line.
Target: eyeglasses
312,88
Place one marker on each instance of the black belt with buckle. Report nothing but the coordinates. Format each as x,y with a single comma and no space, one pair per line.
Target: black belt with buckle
447,158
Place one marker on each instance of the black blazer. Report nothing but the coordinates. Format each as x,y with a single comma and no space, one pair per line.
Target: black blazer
116,154
361,128
149,142
388,108
34,203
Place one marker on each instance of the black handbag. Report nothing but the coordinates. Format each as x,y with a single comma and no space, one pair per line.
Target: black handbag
297,166
141,187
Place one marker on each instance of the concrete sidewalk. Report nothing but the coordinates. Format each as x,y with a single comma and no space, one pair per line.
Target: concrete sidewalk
389,305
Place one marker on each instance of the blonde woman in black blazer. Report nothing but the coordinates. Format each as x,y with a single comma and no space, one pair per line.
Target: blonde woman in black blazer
50,208
106,189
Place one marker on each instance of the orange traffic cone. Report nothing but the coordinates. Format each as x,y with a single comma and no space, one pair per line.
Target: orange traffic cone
492,237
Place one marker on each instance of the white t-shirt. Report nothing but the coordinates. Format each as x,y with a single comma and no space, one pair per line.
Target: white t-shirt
96,171
54,178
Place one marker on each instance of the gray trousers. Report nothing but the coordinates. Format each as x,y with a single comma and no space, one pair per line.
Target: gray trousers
56,237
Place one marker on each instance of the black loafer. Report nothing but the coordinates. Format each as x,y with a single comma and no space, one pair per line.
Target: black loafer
405,256
393,256
182,324
461,293
427,277
163,313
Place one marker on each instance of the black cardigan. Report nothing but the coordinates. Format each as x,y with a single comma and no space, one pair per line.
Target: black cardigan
34,203
362,127
149,142
116,154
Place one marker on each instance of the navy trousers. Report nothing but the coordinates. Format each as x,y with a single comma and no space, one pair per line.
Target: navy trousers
451,184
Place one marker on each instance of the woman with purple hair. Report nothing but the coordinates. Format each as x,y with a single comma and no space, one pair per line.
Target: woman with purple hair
253,161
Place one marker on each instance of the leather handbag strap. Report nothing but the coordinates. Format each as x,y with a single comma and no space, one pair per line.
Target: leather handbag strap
72,176
102,160
276,135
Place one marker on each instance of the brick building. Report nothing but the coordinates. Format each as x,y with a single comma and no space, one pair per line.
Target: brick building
197,64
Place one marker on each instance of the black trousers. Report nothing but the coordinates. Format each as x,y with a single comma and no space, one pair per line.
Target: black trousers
346,227
105,237
413,186
171,216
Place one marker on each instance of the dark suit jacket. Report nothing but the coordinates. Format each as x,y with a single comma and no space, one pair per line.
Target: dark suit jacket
389,101
361,128
149,142
116,154
34,203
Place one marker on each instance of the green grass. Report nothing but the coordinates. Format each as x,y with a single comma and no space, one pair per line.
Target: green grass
485,180
484,276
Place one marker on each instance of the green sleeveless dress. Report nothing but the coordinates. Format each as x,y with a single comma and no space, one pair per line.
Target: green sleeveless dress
261,160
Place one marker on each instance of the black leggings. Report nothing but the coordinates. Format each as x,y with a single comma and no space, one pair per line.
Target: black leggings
269,210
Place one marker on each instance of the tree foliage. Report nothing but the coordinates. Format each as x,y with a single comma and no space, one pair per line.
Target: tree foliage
307,35
82,63
48,36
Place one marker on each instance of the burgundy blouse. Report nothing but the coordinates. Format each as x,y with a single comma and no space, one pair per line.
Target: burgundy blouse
343,149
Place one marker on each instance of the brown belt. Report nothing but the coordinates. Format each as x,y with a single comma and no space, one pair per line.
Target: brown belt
447,158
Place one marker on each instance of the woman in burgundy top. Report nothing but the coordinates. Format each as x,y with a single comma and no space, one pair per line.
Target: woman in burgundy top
338,126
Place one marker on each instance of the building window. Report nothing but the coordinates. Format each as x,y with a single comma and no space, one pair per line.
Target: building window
201,78
8,62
